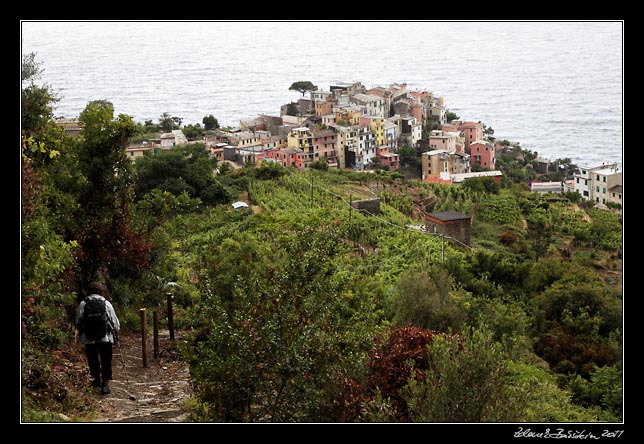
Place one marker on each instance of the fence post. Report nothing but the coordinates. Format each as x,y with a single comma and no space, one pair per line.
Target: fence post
156,333
144,337
170,315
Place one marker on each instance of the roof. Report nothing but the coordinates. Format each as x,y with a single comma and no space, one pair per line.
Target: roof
366,97
448,215
472,124
435,152
323,133
616,189
459,177
240,205
598,167
609,170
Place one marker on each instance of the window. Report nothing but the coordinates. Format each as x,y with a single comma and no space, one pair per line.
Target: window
604,179
604,190
597,188
598,178
578,180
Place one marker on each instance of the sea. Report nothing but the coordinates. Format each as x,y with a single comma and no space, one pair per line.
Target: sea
555,87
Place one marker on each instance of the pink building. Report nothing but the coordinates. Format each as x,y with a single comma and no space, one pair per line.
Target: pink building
387,158
324,142
442,140
472,131
287,157
482,152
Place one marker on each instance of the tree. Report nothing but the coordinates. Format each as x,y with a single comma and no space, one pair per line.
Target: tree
193,132
277,338
303,86
169,123
489,132
398,355
408,155
319,164
539,230
423,299
36,100
181,169
467,380
291,109
449,116
107,236
484,184
210,122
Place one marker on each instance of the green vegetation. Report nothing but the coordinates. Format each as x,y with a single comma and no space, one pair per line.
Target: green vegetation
303,310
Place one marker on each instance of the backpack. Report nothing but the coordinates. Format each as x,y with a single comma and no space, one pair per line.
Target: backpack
95,322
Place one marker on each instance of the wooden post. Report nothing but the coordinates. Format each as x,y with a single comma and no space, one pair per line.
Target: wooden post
144,337
443,247
170,315
156,333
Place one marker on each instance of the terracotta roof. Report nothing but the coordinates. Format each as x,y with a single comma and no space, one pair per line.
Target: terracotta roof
472,124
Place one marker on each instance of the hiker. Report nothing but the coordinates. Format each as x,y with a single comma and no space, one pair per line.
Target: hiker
97,325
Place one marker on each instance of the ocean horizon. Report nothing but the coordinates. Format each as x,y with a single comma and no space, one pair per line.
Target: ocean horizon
554,87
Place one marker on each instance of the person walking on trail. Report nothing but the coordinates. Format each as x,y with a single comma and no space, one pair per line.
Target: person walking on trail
97,325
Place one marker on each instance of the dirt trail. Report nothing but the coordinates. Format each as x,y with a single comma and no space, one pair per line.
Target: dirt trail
158,390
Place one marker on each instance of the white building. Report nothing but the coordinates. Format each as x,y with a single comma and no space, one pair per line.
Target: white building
370,104
594,183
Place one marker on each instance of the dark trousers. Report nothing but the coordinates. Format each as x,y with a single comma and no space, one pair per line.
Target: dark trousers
99,358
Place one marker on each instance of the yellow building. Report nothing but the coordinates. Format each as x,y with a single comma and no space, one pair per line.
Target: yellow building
301,138
377,125
350,115
441,164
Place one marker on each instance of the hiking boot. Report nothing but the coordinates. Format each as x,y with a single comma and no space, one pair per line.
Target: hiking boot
96,383
105,389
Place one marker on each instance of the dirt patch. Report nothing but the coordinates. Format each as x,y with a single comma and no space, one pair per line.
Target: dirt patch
156,393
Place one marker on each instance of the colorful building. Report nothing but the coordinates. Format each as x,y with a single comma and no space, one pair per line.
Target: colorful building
472,131
440,164
288,157
387,158
302,139
324,146
482,153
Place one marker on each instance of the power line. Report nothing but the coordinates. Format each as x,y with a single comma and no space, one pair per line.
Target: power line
349,204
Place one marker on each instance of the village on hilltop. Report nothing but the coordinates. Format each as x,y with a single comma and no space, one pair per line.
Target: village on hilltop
351,127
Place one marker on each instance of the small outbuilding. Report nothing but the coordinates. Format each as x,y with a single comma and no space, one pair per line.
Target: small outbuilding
452,224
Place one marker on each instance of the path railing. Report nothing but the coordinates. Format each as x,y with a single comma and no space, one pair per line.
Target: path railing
155,326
